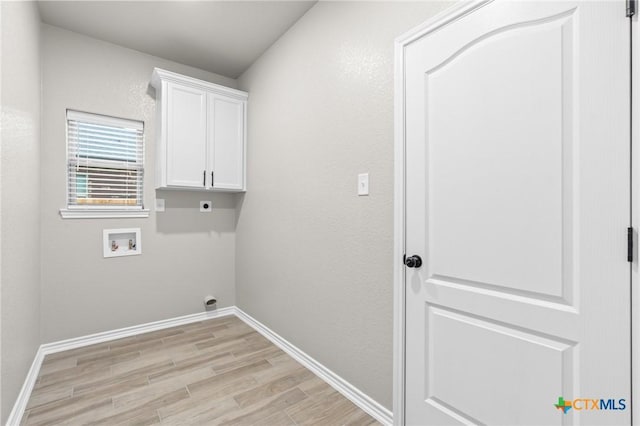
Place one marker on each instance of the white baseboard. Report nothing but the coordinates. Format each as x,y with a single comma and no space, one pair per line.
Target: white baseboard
352,393
92,339
355,395
15,417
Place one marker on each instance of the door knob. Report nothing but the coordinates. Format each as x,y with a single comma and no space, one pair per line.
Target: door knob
413,262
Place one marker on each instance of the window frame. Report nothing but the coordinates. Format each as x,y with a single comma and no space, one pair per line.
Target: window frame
86,211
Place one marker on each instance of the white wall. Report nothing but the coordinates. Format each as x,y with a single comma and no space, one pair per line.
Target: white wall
314,260
20,206
185,255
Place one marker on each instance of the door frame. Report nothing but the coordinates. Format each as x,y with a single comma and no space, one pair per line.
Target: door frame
635,220
399,293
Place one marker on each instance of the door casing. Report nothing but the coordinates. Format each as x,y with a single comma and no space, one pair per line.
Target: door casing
401,42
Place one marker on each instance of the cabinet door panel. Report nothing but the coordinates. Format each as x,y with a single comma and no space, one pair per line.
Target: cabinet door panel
186,136
226,135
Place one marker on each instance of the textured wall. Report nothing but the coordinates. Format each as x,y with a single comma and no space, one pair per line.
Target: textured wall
314,260
20,209
185,254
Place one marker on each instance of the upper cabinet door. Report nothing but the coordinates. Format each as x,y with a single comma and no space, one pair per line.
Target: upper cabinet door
226,142
186,136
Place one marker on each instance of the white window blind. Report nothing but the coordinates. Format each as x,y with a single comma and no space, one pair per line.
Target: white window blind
105,162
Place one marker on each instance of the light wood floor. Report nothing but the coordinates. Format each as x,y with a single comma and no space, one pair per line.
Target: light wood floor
219,371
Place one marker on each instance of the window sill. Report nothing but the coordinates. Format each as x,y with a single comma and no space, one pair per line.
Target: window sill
102,213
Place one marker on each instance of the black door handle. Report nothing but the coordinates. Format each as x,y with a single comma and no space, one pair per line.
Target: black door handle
413,262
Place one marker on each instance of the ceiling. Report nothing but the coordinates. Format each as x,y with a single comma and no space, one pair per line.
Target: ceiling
223,37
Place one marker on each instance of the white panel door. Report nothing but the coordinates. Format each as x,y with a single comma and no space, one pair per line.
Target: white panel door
186,136
226,136
517,201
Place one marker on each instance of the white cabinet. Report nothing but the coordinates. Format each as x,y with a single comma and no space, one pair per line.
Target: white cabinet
200,133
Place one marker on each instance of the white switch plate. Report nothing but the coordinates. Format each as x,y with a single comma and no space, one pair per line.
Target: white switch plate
159,204
208,208
363,184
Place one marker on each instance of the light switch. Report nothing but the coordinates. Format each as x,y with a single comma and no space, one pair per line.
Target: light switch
363,184
159,204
